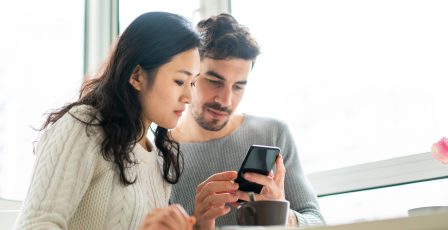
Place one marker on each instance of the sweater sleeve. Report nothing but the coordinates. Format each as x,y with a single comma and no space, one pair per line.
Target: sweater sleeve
298,190
65,162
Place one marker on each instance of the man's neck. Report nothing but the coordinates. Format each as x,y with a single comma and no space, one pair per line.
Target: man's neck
189,131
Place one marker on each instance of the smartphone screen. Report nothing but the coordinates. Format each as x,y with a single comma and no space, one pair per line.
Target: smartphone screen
259,159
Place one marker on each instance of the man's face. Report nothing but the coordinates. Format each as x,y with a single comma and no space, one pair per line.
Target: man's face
218,91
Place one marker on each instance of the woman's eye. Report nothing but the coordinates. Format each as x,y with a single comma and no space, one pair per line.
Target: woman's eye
179,82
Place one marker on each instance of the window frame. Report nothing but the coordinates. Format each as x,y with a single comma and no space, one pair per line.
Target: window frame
380,174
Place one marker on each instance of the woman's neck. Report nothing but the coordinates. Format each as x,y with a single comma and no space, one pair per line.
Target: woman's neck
144,142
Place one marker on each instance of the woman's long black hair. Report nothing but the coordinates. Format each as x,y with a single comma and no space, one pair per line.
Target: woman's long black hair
150,41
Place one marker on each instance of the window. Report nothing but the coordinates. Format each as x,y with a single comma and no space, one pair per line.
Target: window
129,10
383,203
42,68
356,81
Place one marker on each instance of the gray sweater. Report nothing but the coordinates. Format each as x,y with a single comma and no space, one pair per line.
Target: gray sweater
206,158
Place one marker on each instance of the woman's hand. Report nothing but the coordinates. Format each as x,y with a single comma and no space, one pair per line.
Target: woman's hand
172,217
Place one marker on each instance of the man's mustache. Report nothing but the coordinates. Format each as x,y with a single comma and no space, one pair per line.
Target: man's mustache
217,106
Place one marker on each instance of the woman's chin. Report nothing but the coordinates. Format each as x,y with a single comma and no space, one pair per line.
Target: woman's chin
168,125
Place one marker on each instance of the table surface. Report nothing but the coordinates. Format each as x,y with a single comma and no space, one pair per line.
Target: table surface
423,222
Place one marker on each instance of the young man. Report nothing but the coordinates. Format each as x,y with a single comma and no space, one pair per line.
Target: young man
214,140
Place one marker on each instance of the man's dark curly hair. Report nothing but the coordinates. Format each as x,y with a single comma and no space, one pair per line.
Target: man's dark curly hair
223,37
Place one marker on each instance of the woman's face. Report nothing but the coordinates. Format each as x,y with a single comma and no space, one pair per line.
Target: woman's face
164,102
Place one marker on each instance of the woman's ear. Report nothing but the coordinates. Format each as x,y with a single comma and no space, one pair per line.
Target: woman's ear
137,79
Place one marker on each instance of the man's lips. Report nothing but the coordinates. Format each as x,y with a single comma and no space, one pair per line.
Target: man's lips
217,112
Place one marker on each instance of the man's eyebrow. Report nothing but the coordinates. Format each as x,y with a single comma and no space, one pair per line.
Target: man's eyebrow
241,82
215,74
220,77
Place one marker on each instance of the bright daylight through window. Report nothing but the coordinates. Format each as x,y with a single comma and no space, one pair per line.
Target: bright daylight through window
42,64
129,10
357,81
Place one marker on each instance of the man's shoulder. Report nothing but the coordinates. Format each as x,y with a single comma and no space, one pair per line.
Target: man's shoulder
259,125
261,121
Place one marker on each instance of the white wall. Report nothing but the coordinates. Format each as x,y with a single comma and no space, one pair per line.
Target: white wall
9,210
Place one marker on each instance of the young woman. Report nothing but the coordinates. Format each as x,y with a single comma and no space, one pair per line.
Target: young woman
95,168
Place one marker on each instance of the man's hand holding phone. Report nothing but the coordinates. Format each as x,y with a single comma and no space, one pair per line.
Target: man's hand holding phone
273,184
212,196
255,174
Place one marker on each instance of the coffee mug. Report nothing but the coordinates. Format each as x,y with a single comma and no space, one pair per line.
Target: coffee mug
263,213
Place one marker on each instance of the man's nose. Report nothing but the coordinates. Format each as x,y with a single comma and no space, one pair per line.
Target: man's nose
224,97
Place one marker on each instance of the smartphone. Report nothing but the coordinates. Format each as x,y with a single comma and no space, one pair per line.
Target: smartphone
259,159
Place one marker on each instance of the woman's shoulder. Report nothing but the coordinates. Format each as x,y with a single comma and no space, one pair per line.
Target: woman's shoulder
84,113
77,118
73,131
80,115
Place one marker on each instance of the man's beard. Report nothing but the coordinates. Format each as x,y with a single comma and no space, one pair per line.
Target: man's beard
213,124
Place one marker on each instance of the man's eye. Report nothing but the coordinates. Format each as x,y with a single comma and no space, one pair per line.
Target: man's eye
213,82
237,87
179,82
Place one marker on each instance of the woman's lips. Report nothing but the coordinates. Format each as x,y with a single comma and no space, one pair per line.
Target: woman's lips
178,112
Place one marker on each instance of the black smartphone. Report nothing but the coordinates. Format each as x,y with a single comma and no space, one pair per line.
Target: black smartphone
259,159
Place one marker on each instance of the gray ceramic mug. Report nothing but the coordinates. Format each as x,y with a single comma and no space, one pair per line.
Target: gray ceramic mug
263,213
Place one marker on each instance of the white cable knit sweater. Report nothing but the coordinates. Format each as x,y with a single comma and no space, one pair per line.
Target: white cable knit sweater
73,187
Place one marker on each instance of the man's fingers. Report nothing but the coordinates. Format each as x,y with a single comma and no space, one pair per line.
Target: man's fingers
244,196
259,179
214,213
217,200
279,176
235,204
223,176
213,187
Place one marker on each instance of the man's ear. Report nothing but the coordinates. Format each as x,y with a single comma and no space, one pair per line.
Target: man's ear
137,78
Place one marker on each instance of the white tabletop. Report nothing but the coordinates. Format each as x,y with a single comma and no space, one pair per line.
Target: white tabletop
424,222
